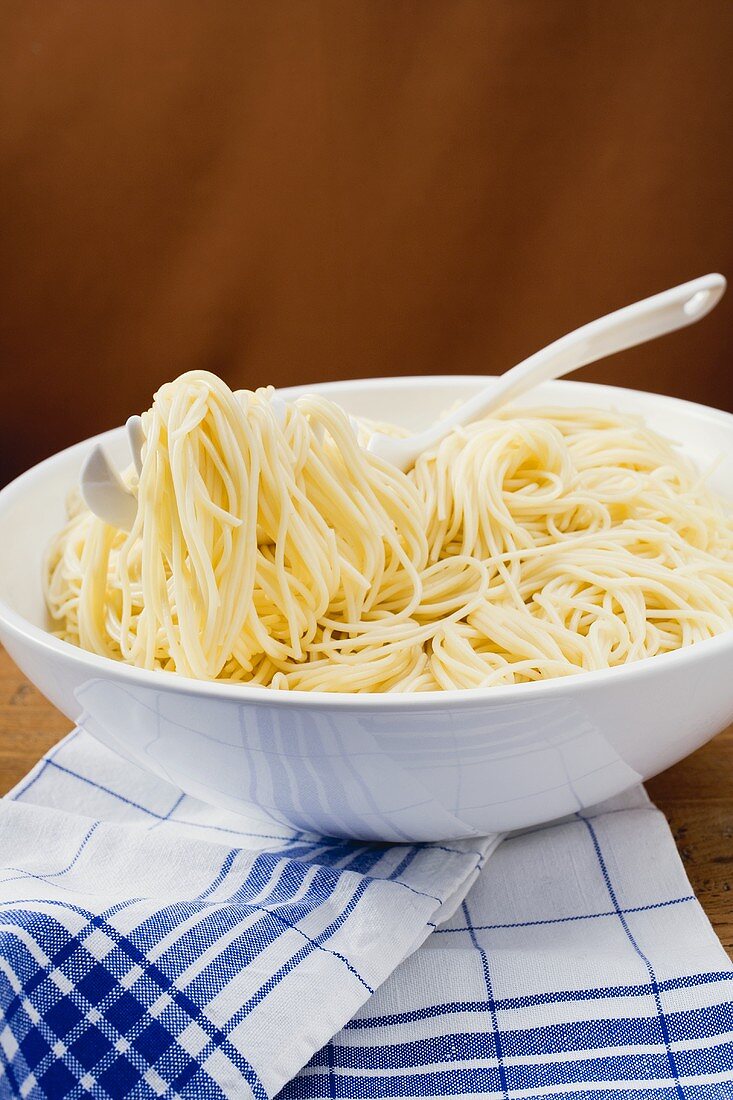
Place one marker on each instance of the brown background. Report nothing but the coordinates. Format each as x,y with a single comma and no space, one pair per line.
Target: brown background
287,191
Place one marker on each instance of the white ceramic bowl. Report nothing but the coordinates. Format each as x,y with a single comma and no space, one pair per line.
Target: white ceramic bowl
389,767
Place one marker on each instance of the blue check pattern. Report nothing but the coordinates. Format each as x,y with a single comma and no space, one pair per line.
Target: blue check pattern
153,947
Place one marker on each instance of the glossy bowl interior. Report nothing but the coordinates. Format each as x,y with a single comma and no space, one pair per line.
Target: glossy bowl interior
385,767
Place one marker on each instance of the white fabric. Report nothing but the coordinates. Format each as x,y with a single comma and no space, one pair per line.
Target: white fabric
579,963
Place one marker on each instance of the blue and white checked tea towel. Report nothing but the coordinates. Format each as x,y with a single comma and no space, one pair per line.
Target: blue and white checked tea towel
153,947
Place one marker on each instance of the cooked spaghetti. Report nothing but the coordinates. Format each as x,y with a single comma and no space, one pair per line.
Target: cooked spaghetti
271,548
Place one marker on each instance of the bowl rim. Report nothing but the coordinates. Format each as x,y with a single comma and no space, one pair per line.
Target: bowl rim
470,698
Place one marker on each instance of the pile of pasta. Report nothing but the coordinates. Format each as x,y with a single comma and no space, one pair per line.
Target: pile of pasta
271,548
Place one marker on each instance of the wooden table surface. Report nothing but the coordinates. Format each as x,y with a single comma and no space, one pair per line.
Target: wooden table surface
695,795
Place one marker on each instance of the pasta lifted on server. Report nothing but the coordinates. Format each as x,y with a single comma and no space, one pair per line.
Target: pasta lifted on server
277,551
